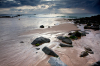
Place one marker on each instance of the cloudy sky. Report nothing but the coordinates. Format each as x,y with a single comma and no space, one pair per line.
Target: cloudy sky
49,6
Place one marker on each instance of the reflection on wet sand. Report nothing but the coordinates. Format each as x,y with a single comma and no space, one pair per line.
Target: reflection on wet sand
14,53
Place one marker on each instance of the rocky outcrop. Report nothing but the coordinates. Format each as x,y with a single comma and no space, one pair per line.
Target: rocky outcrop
65,39
48,51
56,62
65,45
40,40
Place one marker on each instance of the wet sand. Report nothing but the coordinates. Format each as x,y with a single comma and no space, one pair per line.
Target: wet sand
14,53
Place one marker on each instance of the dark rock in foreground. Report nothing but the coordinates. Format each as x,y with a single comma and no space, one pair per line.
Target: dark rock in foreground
96,63
48,51
65,45
41,26
83,54
65,39
56,62
40,40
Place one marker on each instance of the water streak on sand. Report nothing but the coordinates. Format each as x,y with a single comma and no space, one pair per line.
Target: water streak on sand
14,53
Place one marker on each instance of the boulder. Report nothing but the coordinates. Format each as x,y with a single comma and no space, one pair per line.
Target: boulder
98,62
73,37
56,62
91,52
77,34
48,51
42,26
65,39
40,40
65,45
83,34
70,33
83,54
95,64
88,50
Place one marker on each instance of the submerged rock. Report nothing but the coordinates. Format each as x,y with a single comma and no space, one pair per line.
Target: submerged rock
83,54
48,51
42,26
65,39
83,33
65,45
37,48
40,40
56,62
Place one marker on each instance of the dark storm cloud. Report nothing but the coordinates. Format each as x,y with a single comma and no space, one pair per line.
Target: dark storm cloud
92,5
15,3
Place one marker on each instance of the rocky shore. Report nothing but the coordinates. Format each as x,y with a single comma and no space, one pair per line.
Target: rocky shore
61,45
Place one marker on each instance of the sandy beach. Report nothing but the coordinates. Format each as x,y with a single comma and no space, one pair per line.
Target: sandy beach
14,53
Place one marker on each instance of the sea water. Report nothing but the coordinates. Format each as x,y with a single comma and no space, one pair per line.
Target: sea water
25,22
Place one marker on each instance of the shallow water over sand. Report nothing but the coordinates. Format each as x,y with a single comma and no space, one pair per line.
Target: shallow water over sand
11,27
14,53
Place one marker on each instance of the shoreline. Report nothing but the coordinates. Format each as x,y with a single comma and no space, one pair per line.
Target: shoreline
15,53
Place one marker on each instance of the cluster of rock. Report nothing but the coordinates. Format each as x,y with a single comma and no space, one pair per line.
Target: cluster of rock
77,34
8,16
85,53
42,26
54,61
67,42
94,26
92,22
